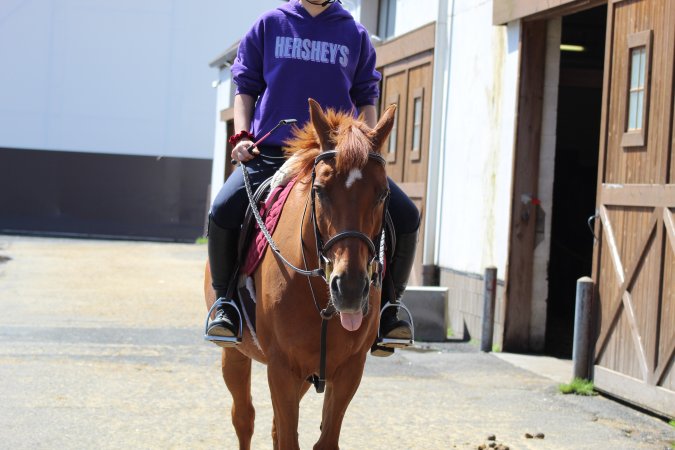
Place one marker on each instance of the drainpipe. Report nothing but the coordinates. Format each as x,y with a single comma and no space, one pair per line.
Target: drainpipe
439,113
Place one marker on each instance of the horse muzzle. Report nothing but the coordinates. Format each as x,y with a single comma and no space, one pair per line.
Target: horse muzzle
350,295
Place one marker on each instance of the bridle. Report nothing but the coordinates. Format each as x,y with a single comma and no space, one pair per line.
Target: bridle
376,263
376,252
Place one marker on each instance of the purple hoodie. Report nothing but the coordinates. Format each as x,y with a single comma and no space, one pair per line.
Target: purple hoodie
289,56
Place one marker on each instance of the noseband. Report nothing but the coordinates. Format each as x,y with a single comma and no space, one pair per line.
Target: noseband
376,252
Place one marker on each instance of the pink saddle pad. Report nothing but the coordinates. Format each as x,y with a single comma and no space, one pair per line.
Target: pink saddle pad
270,211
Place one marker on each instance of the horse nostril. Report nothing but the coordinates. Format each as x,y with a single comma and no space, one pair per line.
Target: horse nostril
334,285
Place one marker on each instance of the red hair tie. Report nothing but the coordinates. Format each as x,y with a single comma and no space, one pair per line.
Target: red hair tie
243,134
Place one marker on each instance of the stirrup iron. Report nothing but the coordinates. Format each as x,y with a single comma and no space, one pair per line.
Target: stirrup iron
228,341
393,342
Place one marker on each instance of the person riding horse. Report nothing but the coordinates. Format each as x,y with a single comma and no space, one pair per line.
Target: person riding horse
324,261
299,50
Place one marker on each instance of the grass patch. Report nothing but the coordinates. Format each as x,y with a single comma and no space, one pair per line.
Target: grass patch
450,332
672,423
578,386
201,240
496,348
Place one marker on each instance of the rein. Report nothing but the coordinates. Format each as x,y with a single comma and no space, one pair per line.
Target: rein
324,270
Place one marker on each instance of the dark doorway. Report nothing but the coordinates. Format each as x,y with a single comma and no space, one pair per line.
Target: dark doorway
576,167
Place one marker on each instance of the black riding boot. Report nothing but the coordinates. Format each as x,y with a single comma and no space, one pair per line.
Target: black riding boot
393,286
222,245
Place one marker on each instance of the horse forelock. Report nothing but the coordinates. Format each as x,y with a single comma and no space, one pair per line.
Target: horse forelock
353,146
351,142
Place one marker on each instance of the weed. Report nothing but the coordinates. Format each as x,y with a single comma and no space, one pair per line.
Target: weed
578,386
496,348
201,240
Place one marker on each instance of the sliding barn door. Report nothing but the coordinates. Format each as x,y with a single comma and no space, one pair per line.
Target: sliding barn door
634,261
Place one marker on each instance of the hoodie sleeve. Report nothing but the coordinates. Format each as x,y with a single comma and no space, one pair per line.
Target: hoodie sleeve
247,69
365,89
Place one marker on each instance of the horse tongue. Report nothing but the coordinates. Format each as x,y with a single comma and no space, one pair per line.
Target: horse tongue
351,321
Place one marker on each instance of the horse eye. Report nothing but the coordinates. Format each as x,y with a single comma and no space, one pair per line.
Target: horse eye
318,190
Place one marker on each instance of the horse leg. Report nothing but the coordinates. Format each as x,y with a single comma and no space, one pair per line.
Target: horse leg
237,375
339,392
275,441
286,390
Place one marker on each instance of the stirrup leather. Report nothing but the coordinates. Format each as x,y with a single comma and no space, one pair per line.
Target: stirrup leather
393,342
226,340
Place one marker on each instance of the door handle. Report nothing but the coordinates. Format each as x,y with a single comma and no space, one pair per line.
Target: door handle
590,227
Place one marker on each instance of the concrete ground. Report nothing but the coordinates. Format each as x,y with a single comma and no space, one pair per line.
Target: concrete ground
100,347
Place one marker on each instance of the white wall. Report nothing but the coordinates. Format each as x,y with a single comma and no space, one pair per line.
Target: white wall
412,14
479,137
114,76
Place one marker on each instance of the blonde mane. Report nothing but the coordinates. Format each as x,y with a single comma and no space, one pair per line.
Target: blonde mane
349,134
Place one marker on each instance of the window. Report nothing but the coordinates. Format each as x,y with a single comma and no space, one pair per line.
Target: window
636,94
393,136
417,121
386,25
637,99
417,124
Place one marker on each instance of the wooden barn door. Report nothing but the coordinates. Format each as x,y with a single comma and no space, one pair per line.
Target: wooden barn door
634,259
408,84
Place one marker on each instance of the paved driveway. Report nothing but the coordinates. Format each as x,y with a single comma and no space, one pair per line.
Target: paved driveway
100,347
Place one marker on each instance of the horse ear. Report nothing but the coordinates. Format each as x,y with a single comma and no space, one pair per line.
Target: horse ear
381,131
321,125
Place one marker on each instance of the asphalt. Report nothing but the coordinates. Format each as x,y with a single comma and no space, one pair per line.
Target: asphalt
100,347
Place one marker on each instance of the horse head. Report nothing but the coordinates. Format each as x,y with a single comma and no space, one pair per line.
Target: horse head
350,197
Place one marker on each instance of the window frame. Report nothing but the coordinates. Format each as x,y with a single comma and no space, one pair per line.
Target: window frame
637,137
386,19
416,153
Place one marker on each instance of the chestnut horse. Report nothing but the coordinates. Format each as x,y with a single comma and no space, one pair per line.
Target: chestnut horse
333,220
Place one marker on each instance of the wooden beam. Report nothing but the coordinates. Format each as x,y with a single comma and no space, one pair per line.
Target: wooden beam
420,40
525,175
654,398
654,195
227,114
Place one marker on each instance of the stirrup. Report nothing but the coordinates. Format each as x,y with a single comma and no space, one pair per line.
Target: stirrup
393,342
224,341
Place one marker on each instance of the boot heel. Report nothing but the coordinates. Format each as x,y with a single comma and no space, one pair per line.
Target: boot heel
382,352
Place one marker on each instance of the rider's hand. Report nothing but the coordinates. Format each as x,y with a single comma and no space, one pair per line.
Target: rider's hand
240,151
